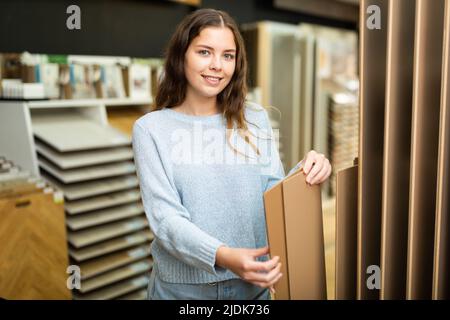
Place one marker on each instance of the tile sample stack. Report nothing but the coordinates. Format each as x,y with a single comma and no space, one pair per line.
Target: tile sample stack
108,232
343,133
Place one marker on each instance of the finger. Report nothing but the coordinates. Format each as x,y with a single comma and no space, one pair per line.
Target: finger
267,285
264,277
318,165
309,161
259,251
272,275
263,266
327,175
322,175
276,280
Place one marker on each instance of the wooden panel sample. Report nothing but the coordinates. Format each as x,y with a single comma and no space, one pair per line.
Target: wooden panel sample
101,202
115,290
33,253
136,295
304,238
70,131
346,233
424,151
116,275
372,104
397,149
97,266
81,190
109,246
103,216
441,279
88,173
273,203
69,160
93,235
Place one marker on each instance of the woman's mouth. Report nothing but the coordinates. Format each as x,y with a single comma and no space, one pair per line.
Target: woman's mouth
211,80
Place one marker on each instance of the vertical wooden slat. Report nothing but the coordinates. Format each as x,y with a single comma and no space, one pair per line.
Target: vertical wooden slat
372,103
397,148
346,233
424,151
441,281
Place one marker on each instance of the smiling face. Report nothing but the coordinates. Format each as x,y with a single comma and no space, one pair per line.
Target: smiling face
210,62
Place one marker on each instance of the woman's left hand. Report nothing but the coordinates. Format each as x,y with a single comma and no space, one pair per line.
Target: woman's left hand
316,167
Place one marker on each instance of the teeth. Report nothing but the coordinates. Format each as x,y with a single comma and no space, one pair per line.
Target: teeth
212,78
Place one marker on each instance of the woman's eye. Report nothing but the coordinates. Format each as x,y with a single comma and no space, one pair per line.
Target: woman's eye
204,52
229,56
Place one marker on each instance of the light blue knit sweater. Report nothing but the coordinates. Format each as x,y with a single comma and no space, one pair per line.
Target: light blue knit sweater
198,193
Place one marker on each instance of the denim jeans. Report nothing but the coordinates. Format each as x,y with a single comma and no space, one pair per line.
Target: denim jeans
234,289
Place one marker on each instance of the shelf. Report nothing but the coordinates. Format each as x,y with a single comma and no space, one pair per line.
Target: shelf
79,159
110,246
104,216
75,103
105,232
136,295
116,275
89,173
115,290
101,202
70,131
95,267
88,189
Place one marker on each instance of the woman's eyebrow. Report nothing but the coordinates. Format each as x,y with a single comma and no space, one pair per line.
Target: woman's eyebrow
212,49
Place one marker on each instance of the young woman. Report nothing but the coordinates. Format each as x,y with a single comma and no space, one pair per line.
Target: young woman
204,159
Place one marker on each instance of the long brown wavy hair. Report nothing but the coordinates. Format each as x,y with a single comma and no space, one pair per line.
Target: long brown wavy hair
172,88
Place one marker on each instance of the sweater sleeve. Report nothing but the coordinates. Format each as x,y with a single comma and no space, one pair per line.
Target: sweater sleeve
168,218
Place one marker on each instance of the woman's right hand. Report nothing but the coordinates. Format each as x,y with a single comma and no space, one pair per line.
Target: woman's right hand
243,262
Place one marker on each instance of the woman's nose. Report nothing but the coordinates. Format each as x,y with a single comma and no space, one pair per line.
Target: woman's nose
216,64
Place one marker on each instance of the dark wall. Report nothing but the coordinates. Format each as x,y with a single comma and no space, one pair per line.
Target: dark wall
138,28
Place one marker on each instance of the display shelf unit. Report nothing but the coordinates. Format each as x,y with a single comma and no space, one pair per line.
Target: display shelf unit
72,145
